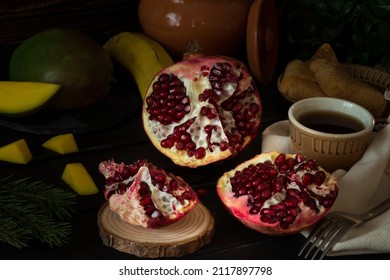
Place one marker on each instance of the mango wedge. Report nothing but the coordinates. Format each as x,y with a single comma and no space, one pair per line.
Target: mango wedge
16,152
78,178
62,144
19,98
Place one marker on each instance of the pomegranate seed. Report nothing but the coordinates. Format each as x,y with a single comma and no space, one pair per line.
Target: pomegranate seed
167,143
283,168
268,220
259,204
254,108
200,153
223,146
180,146
208,129
263,186
237,107
277,184
327,202
280,159
266,194
290,162
280,215
203,111
185,138
190,146
272,172
290,201
288,219
319,177
143,189
187,195
173,184
242,191
311,165
307,179
121,189
279,206
250,194
146,200
149,209
211,115
268,212
256,182
311,203
264,176
160,177
299,158
293,211
254,210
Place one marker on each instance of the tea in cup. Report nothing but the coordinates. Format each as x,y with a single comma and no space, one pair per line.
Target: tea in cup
334,132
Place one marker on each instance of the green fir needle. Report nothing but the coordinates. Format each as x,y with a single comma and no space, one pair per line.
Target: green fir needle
34,210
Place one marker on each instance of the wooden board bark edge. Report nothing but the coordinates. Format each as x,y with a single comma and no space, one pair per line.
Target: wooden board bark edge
181,238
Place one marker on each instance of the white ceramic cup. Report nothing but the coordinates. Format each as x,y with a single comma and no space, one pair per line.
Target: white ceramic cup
331,150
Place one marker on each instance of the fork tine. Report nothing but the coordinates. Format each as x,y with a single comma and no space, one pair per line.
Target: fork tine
326,237
336,239
319,238
313,236
334,226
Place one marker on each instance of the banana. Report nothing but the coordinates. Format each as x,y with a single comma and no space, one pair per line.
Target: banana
140,55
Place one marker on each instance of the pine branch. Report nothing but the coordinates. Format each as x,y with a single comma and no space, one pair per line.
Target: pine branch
12,233
34,210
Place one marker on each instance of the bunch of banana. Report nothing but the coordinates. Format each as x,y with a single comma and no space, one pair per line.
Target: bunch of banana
140,55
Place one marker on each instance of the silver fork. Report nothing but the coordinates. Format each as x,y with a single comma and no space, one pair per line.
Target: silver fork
332,228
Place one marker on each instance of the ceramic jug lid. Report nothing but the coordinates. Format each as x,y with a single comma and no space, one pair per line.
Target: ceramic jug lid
262,40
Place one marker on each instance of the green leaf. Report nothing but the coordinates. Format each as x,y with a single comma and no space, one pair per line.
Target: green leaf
341,8
358,30
380,8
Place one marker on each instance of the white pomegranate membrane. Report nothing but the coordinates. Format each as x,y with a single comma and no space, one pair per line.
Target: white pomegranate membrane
142,194
202,110
278,193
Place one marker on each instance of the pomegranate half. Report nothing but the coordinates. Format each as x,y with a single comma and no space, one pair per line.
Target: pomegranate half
145,195
277,194
202,110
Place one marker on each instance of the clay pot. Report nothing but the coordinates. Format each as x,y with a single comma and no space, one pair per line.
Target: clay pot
219,26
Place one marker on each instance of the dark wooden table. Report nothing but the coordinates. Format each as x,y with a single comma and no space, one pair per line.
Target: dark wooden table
126,141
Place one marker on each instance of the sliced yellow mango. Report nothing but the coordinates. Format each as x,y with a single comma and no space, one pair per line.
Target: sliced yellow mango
78,178
16,152
20,98
62,144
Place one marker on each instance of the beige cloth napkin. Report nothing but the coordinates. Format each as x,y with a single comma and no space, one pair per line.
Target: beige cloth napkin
365,185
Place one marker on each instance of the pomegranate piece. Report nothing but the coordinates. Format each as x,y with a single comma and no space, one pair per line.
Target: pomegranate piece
278,194
145,195
202,110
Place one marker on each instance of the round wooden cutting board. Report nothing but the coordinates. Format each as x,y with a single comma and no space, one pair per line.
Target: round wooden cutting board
181,238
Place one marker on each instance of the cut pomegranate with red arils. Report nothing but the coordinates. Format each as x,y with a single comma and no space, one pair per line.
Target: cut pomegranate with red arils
277,194
202,110
145,195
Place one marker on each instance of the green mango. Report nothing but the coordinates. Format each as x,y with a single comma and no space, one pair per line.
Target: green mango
66,57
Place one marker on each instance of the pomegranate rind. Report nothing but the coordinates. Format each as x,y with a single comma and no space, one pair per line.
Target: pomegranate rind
192,71
238,206
128,203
